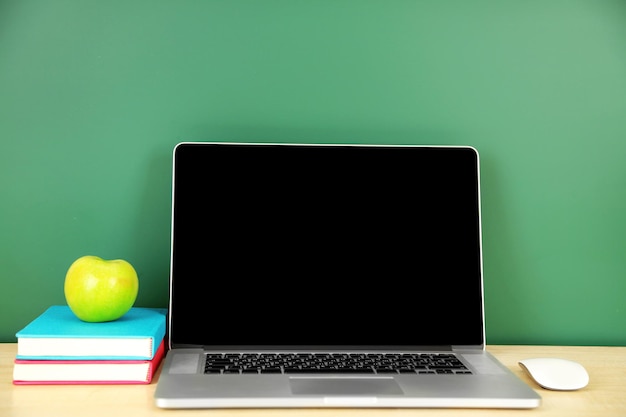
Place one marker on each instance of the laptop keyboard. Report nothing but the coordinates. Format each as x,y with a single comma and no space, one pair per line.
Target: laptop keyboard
302,363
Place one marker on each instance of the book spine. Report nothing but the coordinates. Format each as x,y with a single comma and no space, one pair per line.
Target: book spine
83,382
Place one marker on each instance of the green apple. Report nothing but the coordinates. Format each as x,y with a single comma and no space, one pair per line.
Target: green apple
99,290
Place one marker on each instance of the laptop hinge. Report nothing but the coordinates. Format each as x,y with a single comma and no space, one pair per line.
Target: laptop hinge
465,348
295,348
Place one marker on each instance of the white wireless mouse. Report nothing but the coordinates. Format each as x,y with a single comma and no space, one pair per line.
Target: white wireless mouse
556,374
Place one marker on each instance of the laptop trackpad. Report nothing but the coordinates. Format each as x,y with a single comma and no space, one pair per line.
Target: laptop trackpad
345,386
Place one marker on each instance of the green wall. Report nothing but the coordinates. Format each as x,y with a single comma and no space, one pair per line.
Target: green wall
94,95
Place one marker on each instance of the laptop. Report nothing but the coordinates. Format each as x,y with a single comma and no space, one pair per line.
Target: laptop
329,275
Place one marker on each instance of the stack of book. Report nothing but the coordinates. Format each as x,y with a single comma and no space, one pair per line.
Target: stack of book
59,348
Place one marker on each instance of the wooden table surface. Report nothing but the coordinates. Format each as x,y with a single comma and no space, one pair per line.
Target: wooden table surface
605,396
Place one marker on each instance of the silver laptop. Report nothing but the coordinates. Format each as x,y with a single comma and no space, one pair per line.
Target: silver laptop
309,275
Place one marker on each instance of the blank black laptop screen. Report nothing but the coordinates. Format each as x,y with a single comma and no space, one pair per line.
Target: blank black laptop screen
325,245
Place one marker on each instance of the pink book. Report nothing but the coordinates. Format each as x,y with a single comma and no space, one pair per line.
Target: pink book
86,372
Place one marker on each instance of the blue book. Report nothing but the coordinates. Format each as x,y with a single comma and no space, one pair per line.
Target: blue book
57,334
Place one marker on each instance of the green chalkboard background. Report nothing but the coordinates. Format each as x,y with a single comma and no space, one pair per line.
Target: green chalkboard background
94,95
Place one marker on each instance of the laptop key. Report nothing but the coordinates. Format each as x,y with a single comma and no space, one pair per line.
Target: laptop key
271,371
329,371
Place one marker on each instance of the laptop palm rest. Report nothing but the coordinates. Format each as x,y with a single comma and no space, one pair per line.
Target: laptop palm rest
342,386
